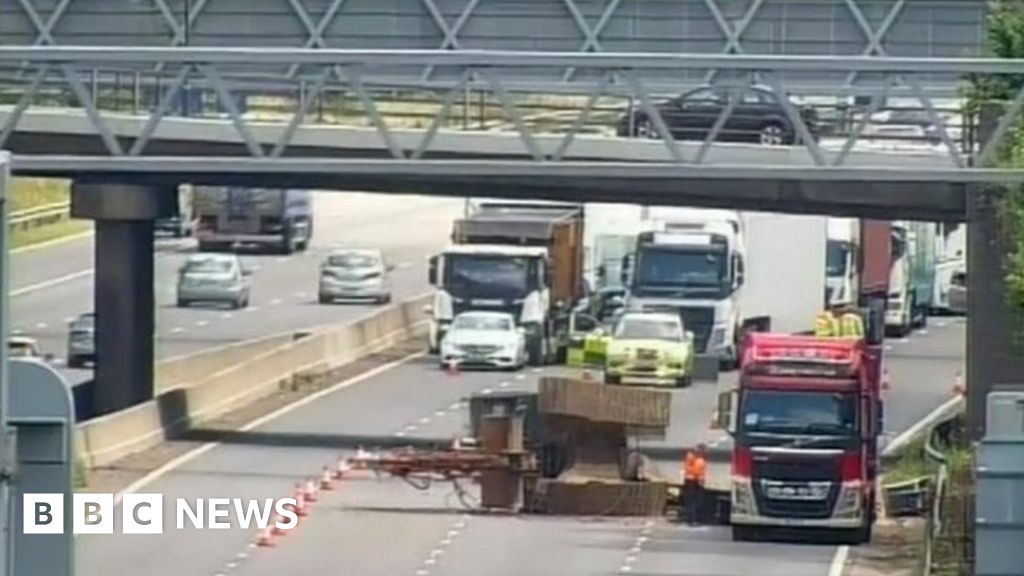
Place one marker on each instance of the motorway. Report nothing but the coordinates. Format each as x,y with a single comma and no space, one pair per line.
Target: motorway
53,284
385,527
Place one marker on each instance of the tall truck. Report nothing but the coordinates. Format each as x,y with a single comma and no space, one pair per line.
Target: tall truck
183,223
912,280
841,266
523,259
727,272
950,264
269,218
805,420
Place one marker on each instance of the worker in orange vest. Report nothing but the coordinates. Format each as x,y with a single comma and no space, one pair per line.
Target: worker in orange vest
695,468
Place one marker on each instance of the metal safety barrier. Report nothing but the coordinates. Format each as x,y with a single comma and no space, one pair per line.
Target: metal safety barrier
43,215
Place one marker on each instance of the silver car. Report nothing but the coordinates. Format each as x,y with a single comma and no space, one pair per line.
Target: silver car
82,341
355,275
216,278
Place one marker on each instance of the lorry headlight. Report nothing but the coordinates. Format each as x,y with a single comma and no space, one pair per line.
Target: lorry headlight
849,502
742,497
718,337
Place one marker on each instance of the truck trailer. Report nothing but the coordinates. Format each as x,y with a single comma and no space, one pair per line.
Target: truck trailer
912,280
727,272
523,259
276,219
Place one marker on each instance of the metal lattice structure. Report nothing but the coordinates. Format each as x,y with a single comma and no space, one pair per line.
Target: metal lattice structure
907,28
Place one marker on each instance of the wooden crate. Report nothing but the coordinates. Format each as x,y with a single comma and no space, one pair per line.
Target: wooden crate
598,402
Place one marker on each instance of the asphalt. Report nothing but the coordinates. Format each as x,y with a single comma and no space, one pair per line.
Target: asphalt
54,284
384,526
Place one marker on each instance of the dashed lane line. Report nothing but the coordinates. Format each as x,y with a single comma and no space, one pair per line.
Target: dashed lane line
51,282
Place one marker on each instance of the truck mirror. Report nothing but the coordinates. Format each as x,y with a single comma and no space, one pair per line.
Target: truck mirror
726,417
432,271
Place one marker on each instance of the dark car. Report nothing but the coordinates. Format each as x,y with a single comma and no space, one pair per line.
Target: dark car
756,117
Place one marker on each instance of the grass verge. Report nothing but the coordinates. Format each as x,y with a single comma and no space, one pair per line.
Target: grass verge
32,192
21,238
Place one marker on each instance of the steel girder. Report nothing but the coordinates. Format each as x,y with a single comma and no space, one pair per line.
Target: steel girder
131,136
922,28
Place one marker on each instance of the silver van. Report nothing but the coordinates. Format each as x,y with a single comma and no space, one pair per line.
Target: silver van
215,278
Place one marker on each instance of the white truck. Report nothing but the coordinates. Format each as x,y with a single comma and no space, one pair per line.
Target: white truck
610,233
727,271
912,277
841,266
950,263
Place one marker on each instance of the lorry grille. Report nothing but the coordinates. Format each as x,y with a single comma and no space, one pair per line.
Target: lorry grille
466,305
700,321
795,476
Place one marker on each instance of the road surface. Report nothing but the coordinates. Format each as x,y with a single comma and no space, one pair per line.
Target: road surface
54,284
385,527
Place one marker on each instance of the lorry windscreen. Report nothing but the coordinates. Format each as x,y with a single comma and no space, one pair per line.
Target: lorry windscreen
489,276
793,412
836,258
687,269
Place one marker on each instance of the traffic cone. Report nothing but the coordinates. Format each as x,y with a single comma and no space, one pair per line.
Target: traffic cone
451,368
300,501
361,457
327,480
959,389
277,530
266,539
342,469
310,492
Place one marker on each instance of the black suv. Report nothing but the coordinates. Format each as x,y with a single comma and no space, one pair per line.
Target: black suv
757,117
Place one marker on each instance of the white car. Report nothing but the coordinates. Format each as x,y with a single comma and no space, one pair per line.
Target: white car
485,339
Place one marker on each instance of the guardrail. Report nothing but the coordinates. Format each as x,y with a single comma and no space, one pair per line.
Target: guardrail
199,388
43,215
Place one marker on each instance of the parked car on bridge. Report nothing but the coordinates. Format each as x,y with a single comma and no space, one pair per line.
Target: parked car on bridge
484,339
355,274
758,116
82,341
215,278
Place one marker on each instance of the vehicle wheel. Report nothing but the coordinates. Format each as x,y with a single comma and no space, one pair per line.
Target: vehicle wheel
183,303
75,362
684,381
772,134
744,533
236,304
646,129
612,379
324,299
535,350
385,299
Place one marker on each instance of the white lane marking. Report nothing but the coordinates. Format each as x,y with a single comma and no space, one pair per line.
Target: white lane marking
430,561
455,406
403,265
537,370
923,331
41,326
227,315
422,572
253,424
626,568
275,302
252,309
202,323
446,542
51,282
177,330
302,295
836,568
399,434
453,533
411,428
280,259
520,377
941,323
69,319
629,559
636,550
437,552
242,555
888,346
425,420
439,413
487,391
903,340
231,565
503,385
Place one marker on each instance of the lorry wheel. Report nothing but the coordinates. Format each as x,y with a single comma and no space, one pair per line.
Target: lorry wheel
612,379
535,350
684,381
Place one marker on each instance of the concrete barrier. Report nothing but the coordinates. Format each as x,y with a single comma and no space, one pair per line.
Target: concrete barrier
242,374
189,368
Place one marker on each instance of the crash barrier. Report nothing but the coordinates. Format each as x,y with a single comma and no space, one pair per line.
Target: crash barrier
227,386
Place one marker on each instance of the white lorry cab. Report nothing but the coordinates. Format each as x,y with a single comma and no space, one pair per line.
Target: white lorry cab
841,266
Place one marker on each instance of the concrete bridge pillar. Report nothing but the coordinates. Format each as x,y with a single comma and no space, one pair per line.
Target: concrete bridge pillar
123,287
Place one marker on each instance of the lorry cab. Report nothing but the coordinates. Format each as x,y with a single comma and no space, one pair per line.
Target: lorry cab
805,420
841,262
912,276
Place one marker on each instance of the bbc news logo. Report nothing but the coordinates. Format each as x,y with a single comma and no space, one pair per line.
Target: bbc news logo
144,513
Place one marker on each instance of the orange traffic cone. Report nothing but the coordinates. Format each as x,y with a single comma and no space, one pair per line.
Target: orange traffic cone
310,492
266,539
327,480
959,389
300,501
451,368
342,469
275,529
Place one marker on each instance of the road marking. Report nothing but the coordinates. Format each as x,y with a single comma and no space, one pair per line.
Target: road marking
430,561
537,370
888,346
227,315
399,434
280,259
439,413
425,420
629,559
411,428
202,323
520,377
422,572
253,424
446,542
503,385
302,295
403,265
69,319
41,326
275,302
836,568
455,406
252,309
903,340
941,323
487,391
923,331
51,282
177,330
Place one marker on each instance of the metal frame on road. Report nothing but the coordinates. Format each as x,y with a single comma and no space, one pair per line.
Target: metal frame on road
496,71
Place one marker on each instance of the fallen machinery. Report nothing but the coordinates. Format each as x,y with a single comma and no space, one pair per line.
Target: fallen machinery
564,450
